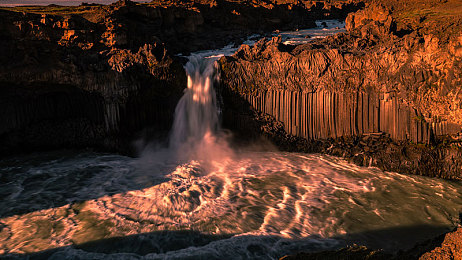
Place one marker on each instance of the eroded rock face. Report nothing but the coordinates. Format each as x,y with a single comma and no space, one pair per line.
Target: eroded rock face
451,248
95,75
380,76
60,86
375,18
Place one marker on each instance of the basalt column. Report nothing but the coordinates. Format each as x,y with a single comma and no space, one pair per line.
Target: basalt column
328,114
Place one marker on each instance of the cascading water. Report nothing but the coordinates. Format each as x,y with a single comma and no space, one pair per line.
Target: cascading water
196,115
195,133
198,199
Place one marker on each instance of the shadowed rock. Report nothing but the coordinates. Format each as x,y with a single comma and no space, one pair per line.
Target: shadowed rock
93,75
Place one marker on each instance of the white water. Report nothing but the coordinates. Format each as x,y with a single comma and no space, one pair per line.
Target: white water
199,199
196,131
252,204
196,115
324,28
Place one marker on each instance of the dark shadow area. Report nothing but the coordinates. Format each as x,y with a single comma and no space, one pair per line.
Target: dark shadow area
142,244
48,180
400,242
61,87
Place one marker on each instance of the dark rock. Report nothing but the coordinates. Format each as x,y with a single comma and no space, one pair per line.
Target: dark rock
94,75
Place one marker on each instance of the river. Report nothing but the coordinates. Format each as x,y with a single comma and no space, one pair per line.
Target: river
198,198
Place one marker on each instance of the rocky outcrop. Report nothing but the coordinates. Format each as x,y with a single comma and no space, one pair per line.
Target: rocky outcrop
95,75
451,248
184,26
61,87
379,77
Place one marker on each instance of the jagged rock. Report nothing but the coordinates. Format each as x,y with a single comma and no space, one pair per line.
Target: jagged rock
451,248
375,78
94,75
61,88
375,19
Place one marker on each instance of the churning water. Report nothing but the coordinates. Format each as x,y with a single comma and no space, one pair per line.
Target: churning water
247,204
199,199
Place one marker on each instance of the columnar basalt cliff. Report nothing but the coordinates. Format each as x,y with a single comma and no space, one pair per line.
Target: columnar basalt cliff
371,94
93,75
65,83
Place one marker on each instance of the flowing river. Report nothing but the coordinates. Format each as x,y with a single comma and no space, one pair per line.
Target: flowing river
200,199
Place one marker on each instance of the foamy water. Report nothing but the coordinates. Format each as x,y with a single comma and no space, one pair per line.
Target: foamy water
200,199
251,204
324,28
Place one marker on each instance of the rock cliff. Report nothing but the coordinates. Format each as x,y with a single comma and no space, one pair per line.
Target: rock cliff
385,76
94,75
57,90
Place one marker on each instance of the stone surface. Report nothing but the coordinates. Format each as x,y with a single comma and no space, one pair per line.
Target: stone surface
451,248
94,76
385,75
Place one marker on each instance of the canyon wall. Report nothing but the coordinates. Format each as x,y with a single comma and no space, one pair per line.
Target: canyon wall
61,86
382,77
95,76
323,114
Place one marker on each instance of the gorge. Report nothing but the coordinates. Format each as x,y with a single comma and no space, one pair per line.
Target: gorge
383,93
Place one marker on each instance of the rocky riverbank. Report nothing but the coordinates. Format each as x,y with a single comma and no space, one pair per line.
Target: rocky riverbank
386,93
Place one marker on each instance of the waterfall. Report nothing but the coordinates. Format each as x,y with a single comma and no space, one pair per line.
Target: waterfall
196,115
195,132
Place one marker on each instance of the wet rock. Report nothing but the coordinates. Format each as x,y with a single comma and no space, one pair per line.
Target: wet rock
447,246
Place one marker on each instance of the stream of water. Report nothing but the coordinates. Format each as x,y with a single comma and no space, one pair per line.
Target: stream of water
200,199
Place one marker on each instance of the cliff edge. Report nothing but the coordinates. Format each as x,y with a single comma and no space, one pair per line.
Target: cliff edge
386,93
